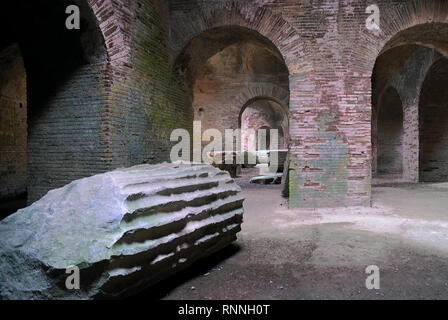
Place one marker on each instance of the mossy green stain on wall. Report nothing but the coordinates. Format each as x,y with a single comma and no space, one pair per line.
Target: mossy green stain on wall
332,182
154,104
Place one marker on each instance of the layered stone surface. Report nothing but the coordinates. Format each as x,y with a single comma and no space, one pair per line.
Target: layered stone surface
124,229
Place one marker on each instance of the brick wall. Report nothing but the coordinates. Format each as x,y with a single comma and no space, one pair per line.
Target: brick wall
110,94
13,123
145,102
98,98
60,118
330,78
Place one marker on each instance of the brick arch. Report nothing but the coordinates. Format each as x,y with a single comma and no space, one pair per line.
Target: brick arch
187,26
270,92
279,99
399,22
114,24
390,86
263,91
400,25
58,99
282,104
389,133
433,120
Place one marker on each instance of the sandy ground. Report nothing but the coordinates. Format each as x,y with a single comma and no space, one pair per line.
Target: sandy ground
323,254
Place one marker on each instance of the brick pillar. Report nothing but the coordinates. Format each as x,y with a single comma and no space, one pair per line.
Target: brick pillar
411,141
374,140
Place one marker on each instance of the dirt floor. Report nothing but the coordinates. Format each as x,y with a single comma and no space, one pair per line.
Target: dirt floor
323,254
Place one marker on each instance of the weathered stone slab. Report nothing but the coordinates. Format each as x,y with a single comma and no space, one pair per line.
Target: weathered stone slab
125,230
274,178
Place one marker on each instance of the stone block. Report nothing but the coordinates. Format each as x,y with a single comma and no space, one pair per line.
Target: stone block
125,230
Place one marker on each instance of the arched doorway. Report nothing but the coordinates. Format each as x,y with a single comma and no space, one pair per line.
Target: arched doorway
223,64
263,113
397,80
50,98
433,114
388,137
220,64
